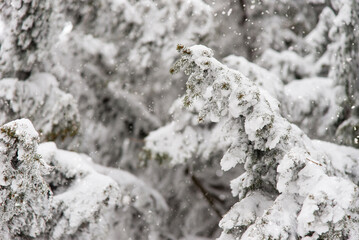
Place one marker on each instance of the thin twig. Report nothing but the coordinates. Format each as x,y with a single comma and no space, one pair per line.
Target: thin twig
205,193
317,163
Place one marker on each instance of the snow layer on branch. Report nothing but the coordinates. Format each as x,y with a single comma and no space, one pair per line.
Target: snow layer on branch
288,65
312,104
262,77
345,160
53,112
89,199
171,143
284,162
187,138
244,213
142,196
318,38
328,211
83,200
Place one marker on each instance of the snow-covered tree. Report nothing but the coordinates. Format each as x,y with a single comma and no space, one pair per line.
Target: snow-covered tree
71,62
77,199
279,161
25,196
277,25
53,112
93,77
24,43
345,68
193,149
95,202
113,56
329,62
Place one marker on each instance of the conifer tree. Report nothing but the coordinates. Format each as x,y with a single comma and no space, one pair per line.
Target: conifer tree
279,160
25,41
48,193
345,68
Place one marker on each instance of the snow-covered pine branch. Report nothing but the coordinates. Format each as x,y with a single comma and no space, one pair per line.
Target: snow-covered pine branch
95,202
53,112
282,166
26,25
48,193
25,197
331,54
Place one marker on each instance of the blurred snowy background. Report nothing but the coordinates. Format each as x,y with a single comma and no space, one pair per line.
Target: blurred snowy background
116,122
